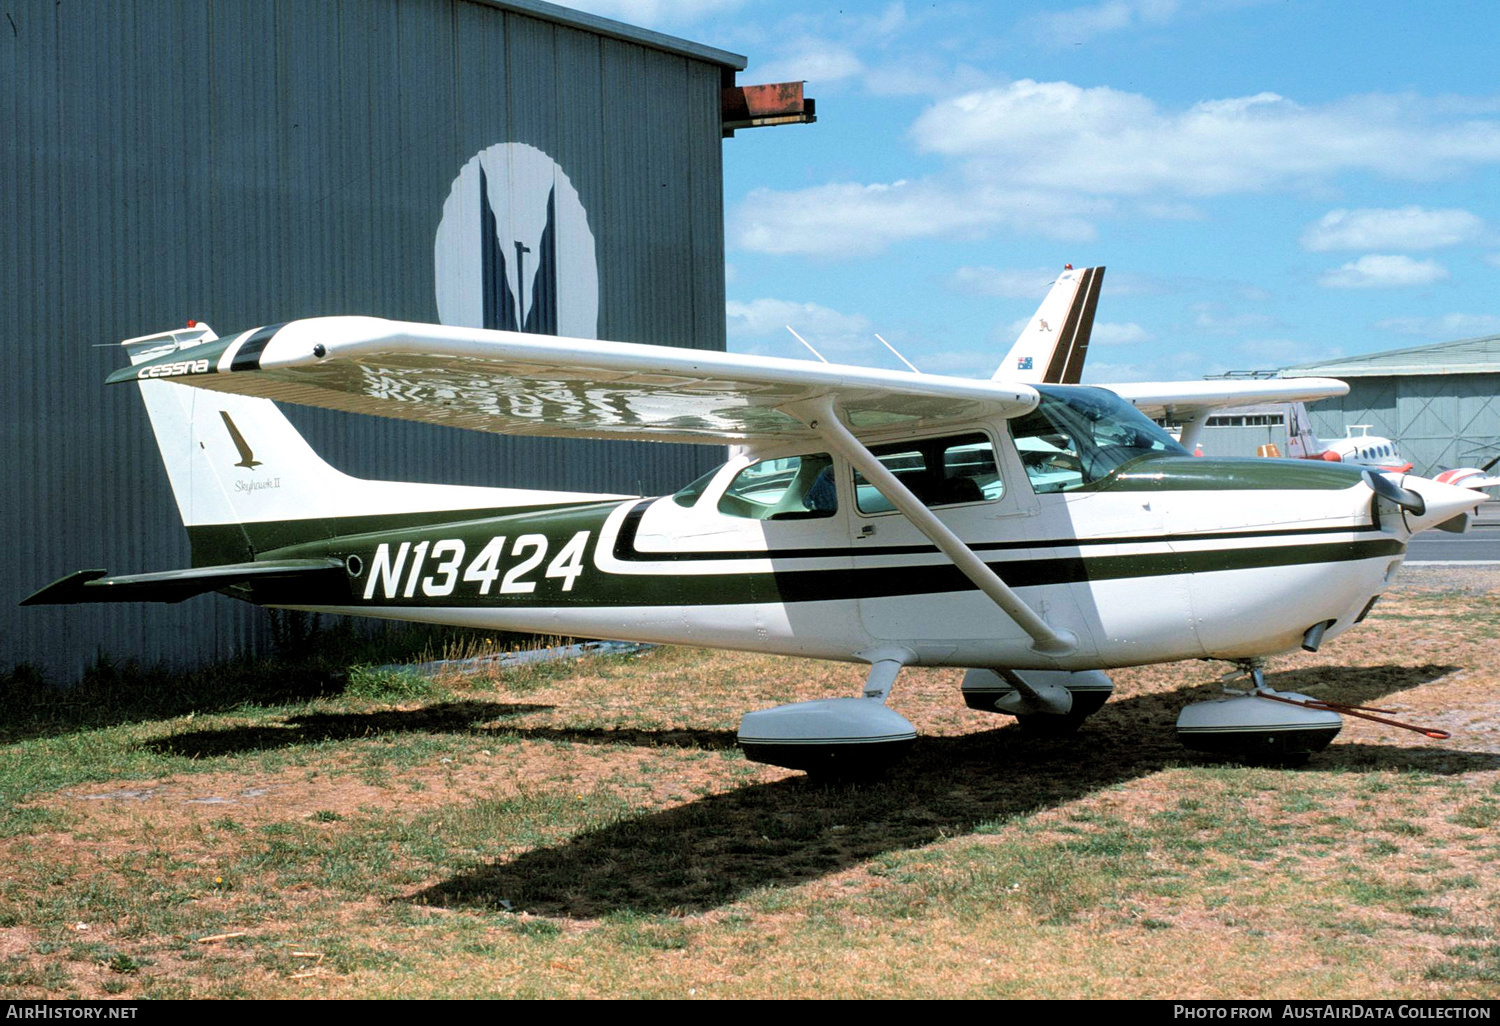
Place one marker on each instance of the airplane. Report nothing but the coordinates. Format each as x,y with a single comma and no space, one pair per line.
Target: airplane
1363,449
1034,534
1470,477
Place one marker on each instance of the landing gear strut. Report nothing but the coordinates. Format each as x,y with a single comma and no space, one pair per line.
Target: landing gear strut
1046,703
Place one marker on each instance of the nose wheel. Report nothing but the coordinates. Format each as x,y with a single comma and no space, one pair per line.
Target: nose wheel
1260,724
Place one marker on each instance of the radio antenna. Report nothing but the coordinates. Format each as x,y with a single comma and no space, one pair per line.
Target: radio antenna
808,344
898,355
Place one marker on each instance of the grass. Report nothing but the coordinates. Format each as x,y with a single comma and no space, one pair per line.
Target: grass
321,827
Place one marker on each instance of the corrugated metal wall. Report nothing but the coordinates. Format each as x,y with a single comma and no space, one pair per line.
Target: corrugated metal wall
1243,440
1438,421
245,162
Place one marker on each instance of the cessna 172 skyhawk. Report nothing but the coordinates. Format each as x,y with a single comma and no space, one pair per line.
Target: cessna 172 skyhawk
1035,534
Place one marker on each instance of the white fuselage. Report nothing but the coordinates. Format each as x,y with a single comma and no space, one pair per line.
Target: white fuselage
1139,574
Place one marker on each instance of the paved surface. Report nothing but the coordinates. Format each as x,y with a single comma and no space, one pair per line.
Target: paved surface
1480,543
1468,577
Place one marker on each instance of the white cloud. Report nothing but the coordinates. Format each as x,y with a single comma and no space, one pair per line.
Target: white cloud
1448,326
1174,211
1011,283
1107,333
1384,272
1080,24
655,13
922,74
1051,158
961,363
1103,141
1268,353
1219,320
827,330
883,51
815,61
848,219
1178,366
1401,228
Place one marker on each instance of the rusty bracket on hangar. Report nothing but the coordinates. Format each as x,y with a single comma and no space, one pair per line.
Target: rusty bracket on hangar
759,106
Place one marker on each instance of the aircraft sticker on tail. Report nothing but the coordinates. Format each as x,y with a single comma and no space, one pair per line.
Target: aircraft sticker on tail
247,458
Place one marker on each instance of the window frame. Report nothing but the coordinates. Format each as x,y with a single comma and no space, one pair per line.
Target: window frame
898,444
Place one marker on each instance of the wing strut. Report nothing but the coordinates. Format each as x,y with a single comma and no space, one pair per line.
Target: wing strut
819,415
1192,429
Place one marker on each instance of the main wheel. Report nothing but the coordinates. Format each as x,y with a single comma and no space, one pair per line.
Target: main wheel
1053,725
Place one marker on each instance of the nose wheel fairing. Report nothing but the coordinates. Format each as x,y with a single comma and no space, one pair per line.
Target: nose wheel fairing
1250,726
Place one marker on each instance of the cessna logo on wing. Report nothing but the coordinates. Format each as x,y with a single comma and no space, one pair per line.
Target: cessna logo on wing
514,250
173,370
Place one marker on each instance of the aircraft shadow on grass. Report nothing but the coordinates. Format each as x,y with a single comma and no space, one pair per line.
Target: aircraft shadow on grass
718,849
473,718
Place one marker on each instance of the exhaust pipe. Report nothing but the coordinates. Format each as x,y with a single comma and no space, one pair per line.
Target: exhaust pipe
1314,635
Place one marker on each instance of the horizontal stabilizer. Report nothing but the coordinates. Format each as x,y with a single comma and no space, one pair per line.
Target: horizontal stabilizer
176,585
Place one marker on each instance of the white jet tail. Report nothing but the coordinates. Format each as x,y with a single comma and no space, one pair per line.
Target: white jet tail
1301,442
1056,340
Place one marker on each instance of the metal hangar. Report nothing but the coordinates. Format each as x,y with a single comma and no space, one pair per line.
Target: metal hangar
501,163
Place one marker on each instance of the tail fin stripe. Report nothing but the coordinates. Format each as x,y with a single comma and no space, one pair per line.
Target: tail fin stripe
1066,366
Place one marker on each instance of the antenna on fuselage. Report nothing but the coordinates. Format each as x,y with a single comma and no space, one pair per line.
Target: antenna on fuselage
898,355
808,344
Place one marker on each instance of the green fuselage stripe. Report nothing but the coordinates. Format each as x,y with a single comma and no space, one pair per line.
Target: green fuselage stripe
670,585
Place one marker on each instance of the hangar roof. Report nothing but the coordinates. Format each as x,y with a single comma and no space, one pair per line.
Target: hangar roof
1465,356
620,30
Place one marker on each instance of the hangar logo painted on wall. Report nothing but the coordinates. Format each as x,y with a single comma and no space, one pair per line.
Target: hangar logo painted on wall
514,250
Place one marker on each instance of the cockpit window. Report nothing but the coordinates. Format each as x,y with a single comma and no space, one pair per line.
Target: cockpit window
939,471
688,494
1077,436
791,488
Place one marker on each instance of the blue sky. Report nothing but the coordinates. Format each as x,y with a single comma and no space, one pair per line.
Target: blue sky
1268,183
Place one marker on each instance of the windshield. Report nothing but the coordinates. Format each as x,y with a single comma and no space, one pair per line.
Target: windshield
1077,436
688,493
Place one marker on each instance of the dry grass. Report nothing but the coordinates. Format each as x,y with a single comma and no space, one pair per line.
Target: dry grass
591,830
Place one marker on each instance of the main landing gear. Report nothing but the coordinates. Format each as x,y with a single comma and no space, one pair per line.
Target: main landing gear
838,737
862,736
1046,703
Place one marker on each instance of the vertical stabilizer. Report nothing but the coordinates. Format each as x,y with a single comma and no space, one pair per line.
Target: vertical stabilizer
230,458
1301,442
235,460
1055,341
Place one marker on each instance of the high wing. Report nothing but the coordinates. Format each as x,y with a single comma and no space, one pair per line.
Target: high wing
1191,403
525,384
1186,399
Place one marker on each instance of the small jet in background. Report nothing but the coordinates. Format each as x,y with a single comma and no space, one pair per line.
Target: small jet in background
1363,449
